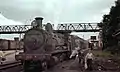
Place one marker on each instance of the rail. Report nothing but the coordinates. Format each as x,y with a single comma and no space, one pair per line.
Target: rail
9,65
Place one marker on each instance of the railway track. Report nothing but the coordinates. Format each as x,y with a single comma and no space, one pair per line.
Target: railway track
65,66
9,65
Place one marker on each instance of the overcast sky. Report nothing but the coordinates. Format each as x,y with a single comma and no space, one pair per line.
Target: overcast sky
54,11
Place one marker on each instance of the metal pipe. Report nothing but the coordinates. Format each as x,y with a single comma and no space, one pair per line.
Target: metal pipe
39,22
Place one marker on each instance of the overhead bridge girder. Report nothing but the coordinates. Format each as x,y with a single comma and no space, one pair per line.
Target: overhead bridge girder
80,27
77,27
4,29
14,29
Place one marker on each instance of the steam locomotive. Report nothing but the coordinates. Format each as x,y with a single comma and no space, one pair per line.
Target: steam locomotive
45,48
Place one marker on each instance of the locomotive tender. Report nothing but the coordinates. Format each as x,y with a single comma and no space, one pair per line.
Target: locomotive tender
45,48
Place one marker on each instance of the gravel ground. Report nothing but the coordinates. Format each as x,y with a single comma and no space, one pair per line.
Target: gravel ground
74,66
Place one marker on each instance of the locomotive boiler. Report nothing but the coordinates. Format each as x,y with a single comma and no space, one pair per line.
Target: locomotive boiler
45,48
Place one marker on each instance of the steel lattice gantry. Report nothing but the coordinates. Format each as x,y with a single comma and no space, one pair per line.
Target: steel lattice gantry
4,29
77,27
14,29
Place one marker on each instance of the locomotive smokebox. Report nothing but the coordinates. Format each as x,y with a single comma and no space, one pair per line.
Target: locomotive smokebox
39,21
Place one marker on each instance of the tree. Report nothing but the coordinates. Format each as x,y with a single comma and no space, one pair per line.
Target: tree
110,25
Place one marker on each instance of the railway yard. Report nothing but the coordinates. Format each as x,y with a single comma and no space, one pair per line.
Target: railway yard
73,66
107,65
42,48
49,51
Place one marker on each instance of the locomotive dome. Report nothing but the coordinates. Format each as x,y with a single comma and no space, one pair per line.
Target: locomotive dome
49,28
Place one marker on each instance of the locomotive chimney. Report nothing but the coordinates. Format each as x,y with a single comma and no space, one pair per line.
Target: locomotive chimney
39,21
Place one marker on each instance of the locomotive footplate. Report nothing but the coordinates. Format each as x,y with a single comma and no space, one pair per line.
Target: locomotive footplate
33,57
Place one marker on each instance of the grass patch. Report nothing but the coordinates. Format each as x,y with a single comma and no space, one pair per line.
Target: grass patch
102,54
